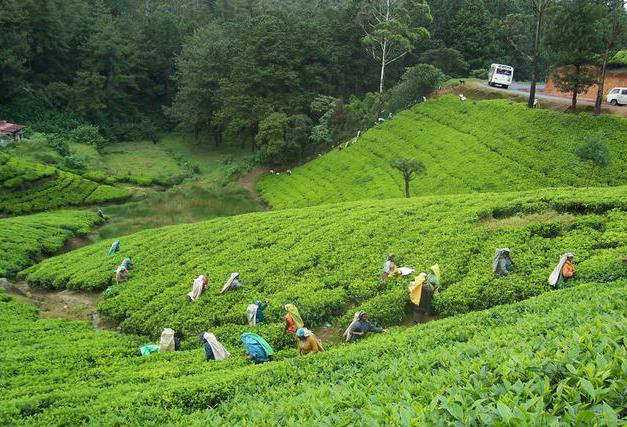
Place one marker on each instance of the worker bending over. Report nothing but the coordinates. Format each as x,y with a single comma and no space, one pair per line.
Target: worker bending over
502,264
421,291
257,349
564,270
360,326
292,318
308,342
214,350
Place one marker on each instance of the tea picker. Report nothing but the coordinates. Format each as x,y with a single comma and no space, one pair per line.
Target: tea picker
232,283
391,270
292,318
308,342
214,350
257,349
115,247
421,290
122,272
255,313
564,270
360,326
502,263
198,287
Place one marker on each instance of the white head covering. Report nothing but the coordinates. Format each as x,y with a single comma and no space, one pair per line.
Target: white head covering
197,288
219,352
251,314
167,340
556,275
229,282
349,331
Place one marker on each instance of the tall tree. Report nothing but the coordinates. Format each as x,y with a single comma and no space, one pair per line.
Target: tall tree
614,31
392,28
575,44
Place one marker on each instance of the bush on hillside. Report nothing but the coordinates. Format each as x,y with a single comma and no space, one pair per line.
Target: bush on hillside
594,150
417,82
481,74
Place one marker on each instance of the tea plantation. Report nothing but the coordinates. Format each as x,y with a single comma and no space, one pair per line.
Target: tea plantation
26,239
27,187
554,359
472,146
328,259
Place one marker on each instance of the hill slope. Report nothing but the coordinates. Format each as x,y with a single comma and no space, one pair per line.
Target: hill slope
27,187
491,145
555,359
328,259
25,239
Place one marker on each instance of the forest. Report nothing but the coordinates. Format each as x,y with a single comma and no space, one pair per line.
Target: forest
286,78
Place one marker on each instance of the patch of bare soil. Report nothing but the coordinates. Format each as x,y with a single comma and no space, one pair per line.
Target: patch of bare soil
249,183
66,304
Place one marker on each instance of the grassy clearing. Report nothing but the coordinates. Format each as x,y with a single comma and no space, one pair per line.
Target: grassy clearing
328,259
25,240
554,359
476,146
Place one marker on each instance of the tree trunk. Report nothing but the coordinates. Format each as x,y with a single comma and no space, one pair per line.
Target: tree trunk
534,72
601,85
407,187
573,105
382,77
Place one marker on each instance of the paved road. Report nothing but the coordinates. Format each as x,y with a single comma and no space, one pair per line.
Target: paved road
522,89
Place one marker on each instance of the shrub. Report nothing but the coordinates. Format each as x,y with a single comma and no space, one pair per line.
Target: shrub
481,74
594,150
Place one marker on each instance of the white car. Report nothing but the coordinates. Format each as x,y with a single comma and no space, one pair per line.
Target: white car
617,96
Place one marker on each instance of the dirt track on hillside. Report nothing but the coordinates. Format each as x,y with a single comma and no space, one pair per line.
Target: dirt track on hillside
249,183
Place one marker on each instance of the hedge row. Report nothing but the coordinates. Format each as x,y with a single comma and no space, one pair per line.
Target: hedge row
328,259
28,187
26,239
557,359
473,146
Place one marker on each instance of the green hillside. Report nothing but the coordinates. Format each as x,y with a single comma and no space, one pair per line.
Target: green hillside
328,259
27,187
472,146
555,359
25,239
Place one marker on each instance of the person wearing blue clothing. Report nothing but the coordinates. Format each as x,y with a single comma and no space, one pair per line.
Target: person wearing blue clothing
257,349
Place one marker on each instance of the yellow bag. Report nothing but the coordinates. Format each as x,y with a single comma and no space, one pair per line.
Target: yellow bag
415,288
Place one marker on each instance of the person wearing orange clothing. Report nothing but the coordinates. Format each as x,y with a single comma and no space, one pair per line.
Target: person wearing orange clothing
293,321
564,270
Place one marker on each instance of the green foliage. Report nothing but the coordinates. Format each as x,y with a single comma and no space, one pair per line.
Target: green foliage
480,73
30,187
26,239
320,258
417,82
555,359
409,168
594,150
87,134
449,60
492,145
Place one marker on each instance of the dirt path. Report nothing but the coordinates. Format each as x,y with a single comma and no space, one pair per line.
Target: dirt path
249,183
66,304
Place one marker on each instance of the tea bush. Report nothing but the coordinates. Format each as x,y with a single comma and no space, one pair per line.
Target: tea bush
27,187
472,146
557,359
25,239
328,259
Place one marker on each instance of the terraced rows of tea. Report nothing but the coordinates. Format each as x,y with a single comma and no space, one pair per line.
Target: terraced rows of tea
27,187
328,259
472,146
557,358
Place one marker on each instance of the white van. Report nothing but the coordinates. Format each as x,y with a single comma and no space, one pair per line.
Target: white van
617,96
500,75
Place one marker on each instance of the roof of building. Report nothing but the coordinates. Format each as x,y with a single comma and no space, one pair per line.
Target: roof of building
7,128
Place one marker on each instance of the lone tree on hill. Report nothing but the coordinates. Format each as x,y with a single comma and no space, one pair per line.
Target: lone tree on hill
409,168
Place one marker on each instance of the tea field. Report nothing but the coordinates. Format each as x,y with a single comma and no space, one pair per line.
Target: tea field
328,259
554,359
27,187
25,240
472,146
